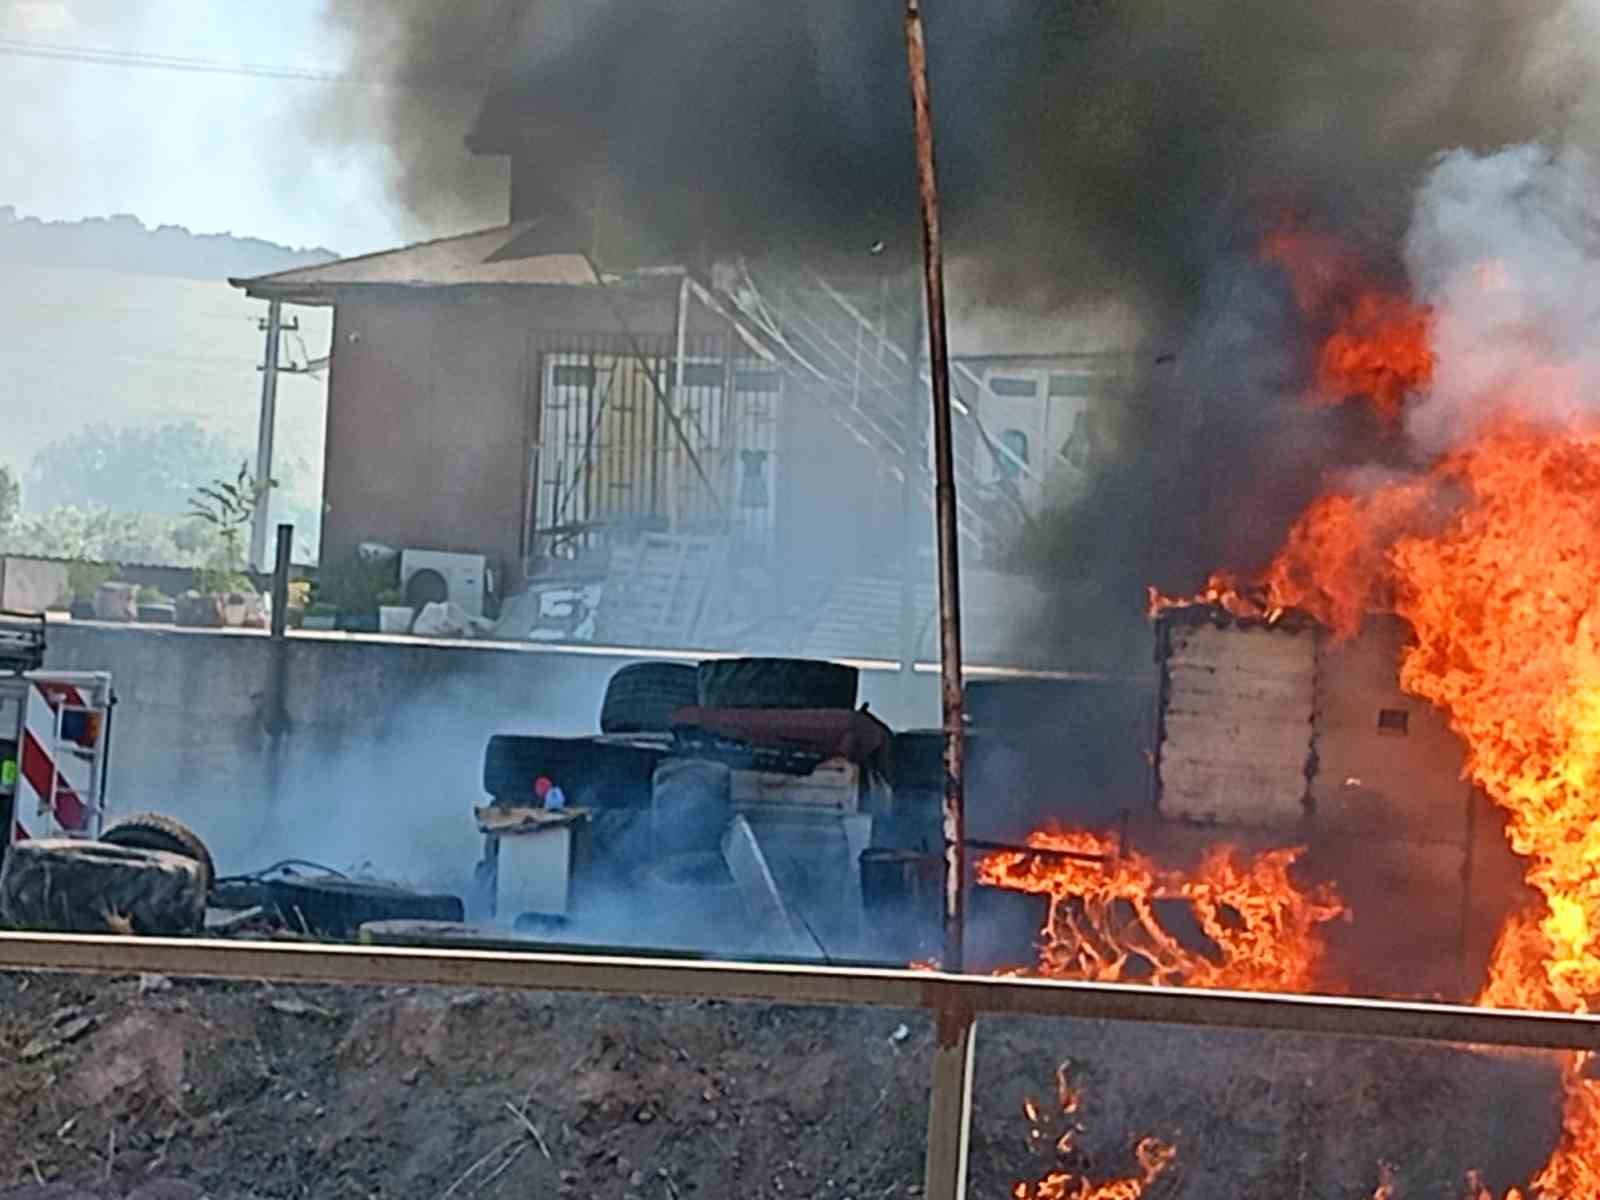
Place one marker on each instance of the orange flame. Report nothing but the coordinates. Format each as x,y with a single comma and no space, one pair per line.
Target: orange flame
1259,929
1223,590
1153,1155
1381,352
1377,344
1493,557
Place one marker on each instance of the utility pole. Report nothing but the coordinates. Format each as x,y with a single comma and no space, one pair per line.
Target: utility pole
950,1108
944,499
273,325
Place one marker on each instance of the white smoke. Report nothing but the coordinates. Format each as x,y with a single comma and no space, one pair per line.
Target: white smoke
1506,248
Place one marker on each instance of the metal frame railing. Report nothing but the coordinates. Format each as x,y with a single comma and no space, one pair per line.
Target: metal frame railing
955,1001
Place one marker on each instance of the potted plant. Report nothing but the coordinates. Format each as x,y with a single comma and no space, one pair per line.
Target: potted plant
353,585
320,616
155,606
84,581
299,598
228,507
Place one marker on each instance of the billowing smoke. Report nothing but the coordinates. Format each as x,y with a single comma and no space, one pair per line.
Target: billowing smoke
424,64
1506,249
1087,148
1090,152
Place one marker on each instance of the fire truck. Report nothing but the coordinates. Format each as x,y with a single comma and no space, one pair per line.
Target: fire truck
64,866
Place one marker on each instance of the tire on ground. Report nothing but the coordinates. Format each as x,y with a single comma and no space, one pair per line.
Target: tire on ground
777,683
60,885
641,697
153,831
691,803
337,908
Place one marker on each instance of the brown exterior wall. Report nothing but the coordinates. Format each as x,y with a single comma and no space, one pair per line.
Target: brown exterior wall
428,416
433,408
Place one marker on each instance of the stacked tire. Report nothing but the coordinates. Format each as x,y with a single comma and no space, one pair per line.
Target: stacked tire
776,683
641,697
593,773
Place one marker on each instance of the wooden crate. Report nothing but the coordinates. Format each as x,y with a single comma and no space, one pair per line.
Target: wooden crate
834,786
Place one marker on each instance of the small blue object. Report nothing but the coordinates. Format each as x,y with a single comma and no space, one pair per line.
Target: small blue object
555,798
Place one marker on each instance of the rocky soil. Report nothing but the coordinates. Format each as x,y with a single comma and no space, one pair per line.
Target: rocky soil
159,1090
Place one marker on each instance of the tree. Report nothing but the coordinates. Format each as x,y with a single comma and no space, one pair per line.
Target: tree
100,535
132,469
10,498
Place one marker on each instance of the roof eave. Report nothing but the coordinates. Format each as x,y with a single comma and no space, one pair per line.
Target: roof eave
324,295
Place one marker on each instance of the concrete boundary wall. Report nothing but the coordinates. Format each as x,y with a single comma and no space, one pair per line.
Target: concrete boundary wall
377,752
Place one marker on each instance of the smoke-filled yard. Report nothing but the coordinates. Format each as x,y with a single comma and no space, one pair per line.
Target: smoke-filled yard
244,1092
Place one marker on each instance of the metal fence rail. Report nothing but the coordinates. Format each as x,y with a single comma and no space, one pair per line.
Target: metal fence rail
955,1001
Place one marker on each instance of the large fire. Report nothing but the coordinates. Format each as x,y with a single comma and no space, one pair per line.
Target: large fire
1492,554
1493,557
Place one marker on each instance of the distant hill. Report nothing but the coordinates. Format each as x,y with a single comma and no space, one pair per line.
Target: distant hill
123,243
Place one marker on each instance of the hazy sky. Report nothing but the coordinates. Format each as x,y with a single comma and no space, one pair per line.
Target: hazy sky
214,152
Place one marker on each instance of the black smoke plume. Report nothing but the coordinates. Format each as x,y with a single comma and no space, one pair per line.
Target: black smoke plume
1087,147
1089,150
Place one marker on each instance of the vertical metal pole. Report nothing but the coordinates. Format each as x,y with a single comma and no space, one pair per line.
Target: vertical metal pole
950,1106
280,582
277,715
269,416
912,463
944,499
676,406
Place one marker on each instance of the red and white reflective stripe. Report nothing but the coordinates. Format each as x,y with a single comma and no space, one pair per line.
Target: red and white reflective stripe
57,691
50,783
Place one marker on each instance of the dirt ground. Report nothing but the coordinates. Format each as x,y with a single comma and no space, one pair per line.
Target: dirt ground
163,1090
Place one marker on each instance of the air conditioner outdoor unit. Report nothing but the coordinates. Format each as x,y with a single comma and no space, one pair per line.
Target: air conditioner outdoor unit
429,576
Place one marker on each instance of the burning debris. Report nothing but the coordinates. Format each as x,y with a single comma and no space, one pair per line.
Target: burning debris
1231,923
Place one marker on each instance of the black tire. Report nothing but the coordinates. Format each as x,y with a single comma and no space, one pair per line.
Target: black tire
919,760
67,886
153,831
691,804
777,683
592,773
642,697
337,908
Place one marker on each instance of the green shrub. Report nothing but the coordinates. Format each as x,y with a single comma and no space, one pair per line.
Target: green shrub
222,580
84,578
355,582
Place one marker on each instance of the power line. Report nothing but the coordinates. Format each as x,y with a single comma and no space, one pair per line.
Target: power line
99,56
